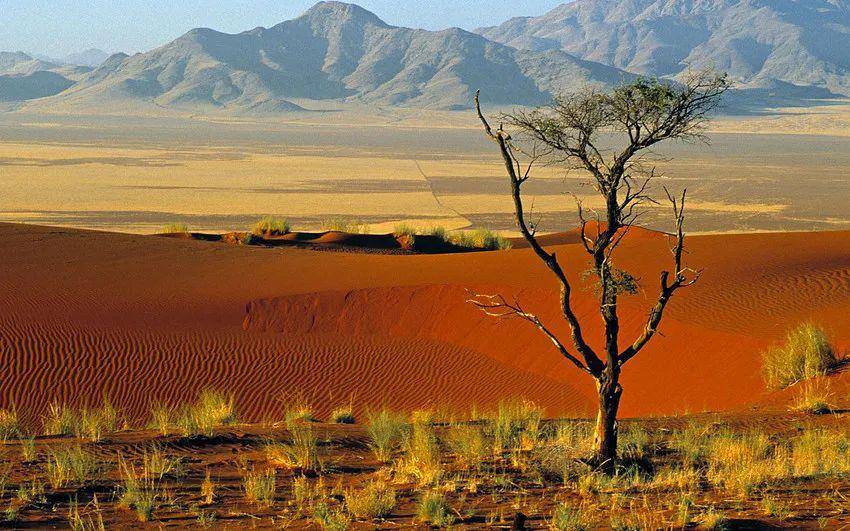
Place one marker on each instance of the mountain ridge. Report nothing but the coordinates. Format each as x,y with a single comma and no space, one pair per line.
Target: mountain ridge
761,43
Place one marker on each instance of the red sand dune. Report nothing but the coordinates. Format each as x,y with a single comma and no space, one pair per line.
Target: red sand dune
155,319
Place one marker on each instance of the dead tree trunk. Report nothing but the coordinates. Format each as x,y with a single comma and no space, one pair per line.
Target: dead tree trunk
607,434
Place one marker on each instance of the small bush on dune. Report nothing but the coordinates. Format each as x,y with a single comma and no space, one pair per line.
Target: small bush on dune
515,426
260,486
481,239
566,518
176,228
301,452
468,443
807,353
10,426
330,519
213,409
813,397
60,420
421,458
139,491
162,418
299,409
71,465
385,430
432,509
343,225
343,415
375,500
271,226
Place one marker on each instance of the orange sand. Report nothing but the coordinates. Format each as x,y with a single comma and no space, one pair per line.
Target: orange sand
146,319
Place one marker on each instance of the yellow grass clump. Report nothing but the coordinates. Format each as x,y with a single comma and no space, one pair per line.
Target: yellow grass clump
806,353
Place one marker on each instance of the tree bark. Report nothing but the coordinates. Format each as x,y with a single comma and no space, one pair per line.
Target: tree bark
605,439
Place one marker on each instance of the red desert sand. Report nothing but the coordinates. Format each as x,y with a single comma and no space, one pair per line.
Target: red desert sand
146,319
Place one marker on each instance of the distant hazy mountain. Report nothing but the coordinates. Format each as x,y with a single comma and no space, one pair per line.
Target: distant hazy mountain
91,58
339,52
762,43
23,77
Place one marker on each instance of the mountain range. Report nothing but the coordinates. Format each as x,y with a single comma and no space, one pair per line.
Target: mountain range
760,43
341,53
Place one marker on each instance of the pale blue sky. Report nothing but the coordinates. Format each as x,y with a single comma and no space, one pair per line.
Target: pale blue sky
57,27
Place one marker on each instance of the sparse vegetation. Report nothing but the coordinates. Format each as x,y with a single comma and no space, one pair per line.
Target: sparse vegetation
91,423
343,414
269,226
385,430
72,465
806,353
300,452
176,228
9,424
813,397
481,239
345,225
212,410
260,486
434,510
375,500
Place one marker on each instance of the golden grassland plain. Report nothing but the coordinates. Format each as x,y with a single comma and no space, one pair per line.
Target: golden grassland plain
771,172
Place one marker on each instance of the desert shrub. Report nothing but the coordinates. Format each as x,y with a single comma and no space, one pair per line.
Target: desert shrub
304,493
247,238
260,487
213,409
299,409
28,453
301,452
176,228
95,423
375,500
344,225
481,239
813,397
806,353
162,418
819,452
10,426
566,518
421,458
343,414
271,226
385,430
744,462
78,521
433,509
159,464
71,466
468,443
439,232
139,491
60,420
690,442
515,425
208,488
330,519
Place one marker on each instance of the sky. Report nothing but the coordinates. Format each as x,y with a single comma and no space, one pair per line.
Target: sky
59,27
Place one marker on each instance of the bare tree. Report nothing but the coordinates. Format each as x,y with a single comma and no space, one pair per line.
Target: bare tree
641,114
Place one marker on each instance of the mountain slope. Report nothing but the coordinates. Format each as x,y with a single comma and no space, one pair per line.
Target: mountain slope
338,52
23,77
761,43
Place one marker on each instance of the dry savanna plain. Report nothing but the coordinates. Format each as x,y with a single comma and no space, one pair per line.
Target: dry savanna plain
336,377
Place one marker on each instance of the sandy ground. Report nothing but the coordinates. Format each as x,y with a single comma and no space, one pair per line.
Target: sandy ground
779,171
144,318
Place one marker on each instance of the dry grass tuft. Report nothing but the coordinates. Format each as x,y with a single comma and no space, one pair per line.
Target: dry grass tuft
72,465
269,226
385,430
375,500
433,509
807,353
213,409
176,228
301,452
10,426
260,486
